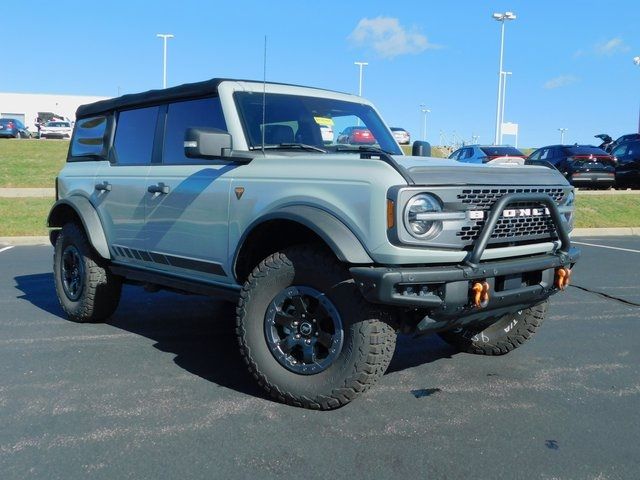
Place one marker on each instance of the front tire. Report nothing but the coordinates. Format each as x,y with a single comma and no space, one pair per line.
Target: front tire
87,290
307,334
504,335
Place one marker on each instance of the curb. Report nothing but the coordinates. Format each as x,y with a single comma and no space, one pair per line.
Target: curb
577,232
19,241
606,232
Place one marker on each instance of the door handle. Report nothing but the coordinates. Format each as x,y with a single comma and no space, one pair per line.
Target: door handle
103,187
159,188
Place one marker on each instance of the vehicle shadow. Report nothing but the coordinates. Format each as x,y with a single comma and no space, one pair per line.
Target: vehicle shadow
199,331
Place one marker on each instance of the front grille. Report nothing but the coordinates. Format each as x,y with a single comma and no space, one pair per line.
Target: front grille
508,228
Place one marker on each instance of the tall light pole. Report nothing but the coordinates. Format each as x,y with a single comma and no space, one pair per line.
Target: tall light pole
636,60
360,64
500,17
424,110
504,96
164,37
562,130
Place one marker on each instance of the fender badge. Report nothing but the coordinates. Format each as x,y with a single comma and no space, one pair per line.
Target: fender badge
239,191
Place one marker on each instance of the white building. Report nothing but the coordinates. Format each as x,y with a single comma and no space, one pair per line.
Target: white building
27,106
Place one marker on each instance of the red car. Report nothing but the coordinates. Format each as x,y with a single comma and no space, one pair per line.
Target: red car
357,135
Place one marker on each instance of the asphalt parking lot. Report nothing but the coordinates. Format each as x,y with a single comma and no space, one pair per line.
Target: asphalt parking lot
160,392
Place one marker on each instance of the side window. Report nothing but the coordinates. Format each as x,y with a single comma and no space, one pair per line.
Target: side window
88,138
535,155
205,112
620,153
133,143
466,153
455,155
544,154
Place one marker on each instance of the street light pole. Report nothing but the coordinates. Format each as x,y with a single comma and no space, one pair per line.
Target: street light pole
636,60
360,64
562,130
504,96
424,110
164,37
500,17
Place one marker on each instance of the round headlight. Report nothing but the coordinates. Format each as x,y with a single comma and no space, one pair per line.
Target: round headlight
418,227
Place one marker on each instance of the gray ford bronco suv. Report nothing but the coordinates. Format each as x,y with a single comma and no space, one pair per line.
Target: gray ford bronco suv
328,243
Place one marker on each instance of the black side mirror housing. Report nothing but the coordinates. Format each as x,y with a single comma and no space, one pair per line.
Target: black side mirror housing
206,143
421,149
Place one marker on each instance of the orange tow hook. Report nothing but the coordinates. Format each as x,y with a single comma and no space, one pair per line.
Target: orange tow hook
480,294
563,277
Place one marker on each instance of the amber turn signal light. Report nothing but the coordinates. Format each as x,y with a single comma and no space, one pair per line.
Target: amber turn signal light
390,213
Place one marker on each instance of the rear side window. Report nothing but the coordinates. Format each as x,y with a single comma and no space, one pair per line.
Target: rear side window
88,138
133,143
204,112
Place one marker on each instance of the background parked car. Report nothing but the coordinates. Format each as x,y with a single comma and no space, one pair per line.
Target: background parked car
485,154
56,129
628,164
401,135
357,135
582,165
624,138
13,128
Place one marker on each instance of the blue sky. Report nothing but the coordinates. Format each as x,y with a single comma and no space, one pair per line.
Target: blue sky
571,61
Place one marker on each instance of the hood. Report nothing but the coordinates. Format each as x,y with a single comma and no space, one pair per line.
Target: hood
443,171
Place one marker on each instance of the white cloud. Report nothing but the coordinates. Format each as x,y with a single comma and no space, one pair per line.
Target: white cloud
605,48
560,81
388,38
611,47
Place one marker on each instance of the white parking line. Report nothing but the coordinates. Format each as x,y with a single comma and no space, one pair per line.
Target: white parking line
607,246
6,248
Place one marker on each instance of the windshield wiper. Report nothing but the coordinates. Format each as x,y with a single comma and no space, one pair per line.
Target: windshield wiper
302,146
362,148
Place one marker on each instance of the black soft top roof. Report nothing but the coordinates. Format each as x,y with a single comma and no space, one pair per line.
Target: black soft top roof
151,97
154,97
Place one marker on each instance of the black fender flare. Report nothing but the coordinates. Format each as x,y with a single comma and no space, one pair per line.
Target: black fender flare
88,215
340,239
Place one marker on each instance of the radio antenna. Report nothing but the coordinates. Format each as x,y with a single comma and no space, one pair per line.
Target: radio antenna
264,91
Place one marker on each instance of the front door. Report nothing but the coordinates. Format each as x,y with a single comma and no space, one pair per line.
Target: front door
186,199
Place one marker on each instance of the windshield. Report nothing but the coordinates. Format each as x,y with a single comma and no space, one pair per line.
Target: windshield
586,150
502,151
294,119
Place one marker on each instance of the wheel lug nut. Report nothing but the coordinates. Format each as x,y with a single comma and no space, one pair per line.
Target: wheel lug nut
297,335
307,341
295,324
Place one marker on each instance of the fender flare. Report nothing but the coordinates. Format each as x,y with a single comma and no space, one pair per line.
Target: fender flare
88,215
340,239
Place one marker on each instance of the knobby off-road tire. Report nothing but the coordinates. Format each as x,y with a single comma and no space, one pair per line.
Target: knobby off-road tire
87,290
350,343
501,337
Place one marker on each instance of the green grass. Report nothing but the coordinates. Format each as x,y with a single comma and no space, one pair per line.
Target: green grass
31,163
600,211
24,216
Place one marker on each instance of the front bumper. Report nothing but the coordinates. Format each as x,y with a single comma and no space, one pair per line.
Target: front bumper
445,291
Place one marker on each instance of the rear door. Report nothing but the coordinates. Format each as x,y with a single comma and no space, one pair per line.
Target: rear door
187,200
121,184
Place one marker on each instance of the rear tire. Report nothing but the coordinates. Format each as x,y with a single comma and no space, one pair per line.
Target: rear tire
504,335
307,334
87,290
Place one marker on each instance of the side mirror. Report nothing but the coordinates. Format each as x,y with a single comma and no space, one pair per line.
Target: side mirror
206,143
421,149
